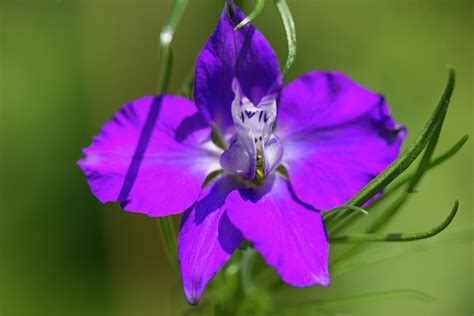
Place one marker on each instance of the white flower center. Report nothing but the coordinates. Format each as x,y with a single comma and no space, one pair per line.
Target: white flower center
258,119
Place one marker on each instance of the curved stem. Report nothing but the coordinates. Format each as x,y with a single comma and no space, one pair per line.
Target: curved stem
352,217
408,156
255,12
358,237
290,31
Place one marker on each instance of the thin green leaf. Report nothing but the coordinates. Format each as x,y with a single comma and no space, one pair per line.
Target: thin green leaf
426,158
387,213
166,57
166,61
358,237
393,208
409,155
377,224
434,163
379,252
255,12
290,31
166,37
329,216
352,217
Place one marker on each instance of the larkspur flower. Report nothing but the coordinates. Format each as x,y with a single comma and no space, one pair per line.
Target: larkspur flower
332,136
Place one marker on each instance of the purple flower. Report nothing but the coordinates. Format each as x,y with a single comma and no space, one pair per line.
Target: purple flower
332,135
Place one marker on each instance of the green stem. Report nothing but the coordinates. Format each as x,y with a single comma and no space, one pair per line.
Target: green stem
359,237
351,218
434,163
289,25
166,58
166,37
335,212
407,157
389,213
255,12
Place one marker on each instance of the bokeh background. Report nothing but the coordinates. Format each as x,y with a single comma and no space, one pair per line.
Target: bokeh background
66,66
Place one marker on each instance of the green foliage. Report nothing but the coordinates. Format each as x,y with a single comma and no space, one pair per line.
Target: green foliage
166,37
357,237
166,57
255,12
289,25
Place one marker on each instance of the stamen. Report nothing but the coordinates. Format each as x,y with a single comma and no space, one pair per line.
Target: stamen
259,173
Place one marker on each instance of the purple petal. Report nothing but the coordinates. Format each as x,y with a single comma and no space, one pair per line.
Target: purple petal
207,239
228,54
337,137
240,158
152,156
288,234
272,151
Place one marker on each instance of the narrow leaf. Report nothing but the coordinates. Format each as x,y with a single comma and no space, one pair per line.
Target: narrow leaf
166,37
329,216
434,163
358,237
426,158
255,12
289,26
377,224
166,57
379,252
352,217
409,155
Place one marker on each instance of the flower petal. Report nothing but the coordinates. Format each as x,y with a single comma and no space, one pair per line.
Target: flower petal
272,151
337,137
243,54
152,156
240,158
288,234
207,238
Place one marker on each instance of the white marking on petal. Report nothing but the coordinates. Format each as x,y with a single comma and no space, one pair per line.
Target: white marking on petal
259,119
254,130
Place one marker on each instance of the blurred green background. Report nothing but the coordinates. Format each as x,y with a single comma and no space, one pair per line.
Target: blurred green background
66,66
